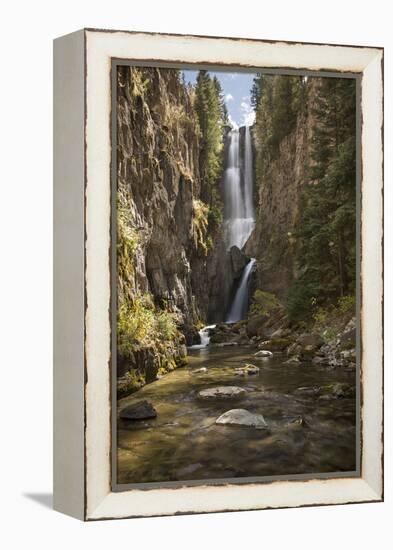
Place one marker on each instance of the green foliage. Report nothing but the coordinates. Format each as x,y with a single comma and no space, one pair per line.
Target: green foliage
166,326
331,318
140,82
325,231
301,299
263,303
347,304
215,216
141,324
200,224
209,109
130,382
322,241
127,242
278,101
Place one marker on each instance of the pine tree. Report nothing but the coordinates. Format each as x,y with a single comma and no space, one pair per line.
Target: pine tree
208,105
326,228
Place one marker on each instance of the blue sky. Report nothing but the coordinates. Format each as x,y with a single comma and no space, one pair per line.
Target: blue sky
236,88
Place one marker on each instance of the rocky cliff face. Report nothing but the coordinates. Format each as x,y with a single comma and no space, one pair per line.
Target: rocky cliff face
167,251
278,190
158,180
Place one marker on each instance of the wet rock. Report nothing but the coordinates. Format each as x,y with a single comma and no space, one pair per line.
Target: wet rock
276,344
280,333
308,390
246,370
349,355
348,336
199,371
191,335
220,337
256,325
310,339
308,352
222,392
238,260
182,351
225,344
242,417
263,353
294,349
138,411
294,360
339,390
348,339
320,360
294,421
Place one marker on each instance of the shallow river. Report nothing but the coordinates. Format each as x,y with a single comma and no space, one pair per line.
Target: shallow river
184,443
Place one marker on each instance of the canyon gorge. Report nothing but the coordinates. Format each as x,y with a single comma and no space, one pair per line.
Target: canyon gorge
236,257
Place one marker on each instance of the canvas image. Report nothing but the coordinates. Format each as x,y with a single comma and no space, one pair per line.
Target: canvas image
235,237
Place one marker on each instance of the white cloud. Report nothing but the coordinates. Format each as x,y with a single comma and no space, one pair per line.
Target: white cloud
232,122
229,97
248,113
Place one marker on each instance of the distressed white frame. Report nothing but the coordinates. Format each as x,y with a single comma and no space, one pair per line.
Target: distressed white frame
100,48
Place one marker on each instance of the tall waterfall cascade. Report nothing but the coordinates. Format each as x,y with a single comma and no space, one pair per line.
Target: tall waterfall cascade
239,218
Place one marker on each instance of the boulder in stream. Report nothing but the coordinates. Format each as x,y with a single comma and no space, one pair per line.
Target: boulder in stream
263,353
246,370
222,392
142,410
242,417
201,370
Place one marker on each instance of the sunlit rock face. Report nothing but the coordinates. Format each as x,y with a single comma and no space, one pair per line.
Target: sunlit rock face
278,187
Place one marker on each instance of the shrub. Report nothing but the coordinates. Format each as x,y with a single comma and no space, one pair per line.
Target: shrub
347,304
166,326
264,303
200,224
141,323
300,300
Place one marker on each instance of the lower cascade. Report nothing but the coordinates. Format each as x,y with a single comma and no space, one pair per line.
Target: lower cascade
204,336
239,305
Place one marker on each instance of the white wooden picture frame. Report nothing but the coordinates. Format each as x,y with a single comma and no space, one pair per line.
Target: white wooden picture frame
82,256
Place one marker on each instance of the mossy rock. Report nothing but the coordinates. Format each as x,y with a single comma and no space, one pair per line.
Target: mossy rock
276,344
221,337
131,382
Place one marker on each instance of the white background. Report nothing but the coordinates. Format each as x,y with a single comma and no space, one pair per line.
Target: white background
28,28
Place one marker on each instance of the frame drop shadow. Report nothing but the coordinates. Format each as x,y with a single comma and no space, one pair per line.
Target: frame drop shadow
44,499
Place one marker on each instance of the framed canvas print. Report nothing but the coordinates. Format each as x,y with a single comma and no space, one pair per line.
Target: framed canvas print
218,274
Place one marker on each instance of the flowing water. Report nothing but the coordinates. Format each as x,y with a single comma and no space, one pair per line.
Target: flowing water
204,335
239,305
238,191
184,443
239,214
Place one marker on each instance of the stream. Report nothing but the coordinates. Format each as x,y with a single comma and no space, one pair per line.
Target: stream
306,434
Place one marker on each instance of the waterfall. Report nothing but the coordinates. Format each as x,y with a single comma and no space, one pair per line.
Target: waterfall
238,192
239,213
240,303
248,176
204,335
